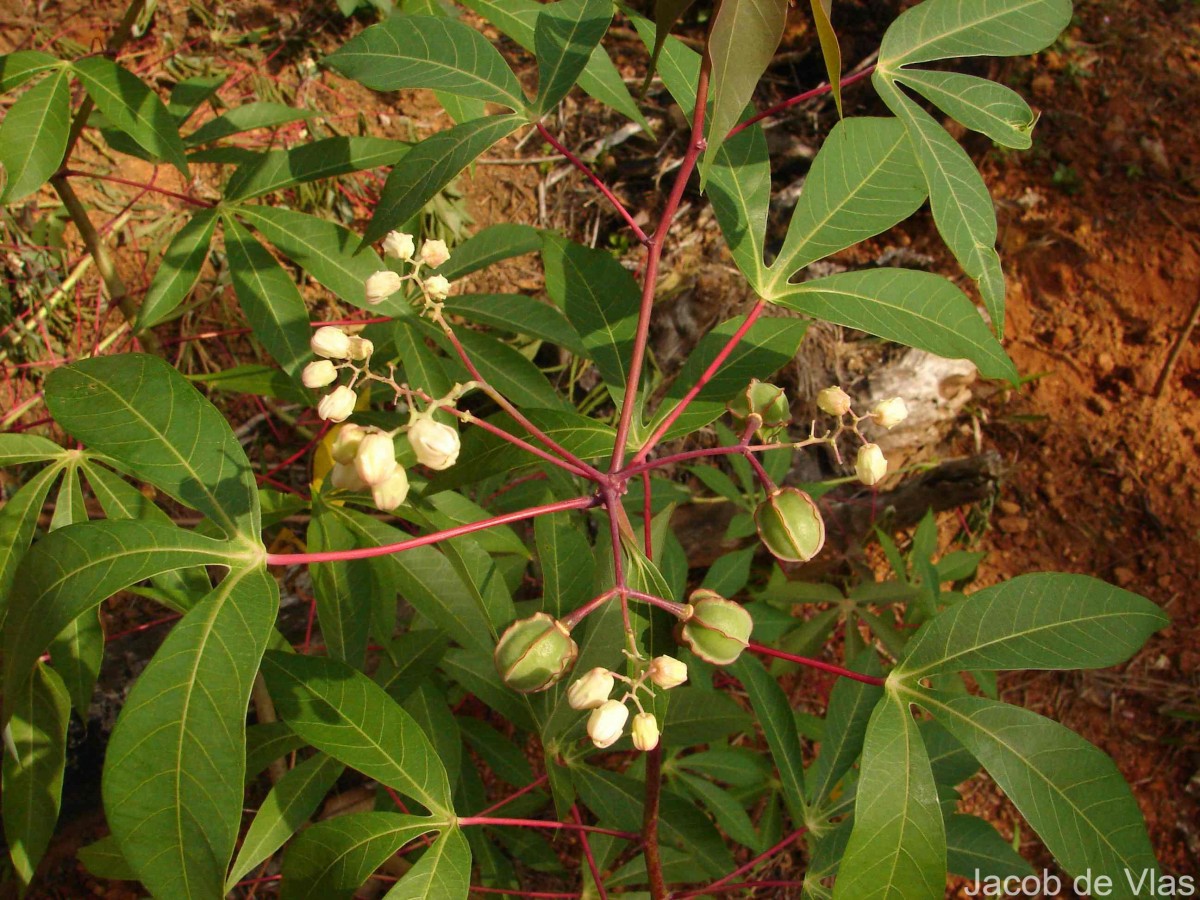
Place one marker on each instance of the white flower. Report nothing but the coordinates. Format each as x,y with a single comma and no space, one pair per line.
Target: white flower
330,342
337,405
344,477
345,444
391,493
318,374
382,285
398,245
667,672
606,723
889,413
870,465
645,731
360,348
376,458
591,690
833,400
435,444
434,253
437,287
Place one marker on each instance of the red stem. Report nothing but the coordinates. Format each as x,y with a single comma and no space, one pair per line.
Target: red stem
654,872
289,559
510,892
798,99
533,785
587,854
816,664
743,869
543,823
686,455
194,201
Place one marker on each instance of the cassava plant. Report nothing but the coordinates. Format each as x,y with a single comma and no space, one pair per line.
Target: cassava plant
451,625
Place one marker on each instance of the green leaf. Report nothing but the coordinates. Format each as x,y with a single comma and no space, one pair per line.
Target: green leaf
863,181
332,858
179,269
103,859
742,42
728,812
666,14
18,521
17,448
850,706
270,299
344,714
1038,621
423,367
268,742
491,245
504,756
701,716
33,136
568,572
940,29
898,845
259,114
518,314
977,103
174,769
290,804
33,765
918,309
430,165
1070,792
433,52
442,873
973,846
278,169
132,108
739,187
504,368
774,714
736,766
429,709
566,34
830,51
411,657
258,378
188,95
17,68
342,587
140,411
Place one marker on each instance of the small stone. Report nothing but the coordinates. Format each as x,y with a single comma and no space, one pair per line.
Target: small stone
1009,508
1013,524
1124,575
1164,582
1127,486
1105,363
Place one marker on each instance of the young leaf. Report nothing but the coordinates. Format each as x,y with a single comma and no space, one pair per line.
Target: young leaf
1070,792
33,768
429,52
973,845
344,714
173,772
142,412
260,114
33,136
132,108
442,873
566,34
179,269
940,29
918,309
898,845
981,105
279,169
1039,621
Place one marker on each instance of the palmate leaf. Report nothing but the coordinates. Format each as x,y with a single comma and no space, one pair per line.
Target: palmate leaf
940,29
1037,621
17,448
179,269
739,188
973,845
979,104
33,136
564,38
442,873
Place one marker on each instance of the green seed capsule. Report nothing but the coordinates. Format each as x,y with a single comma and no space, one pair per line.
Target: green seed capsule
534,653
767,401
718,629
790,525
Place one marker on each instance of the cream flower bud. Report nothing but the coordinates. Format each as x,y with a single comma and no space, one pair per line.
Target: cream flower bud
870,465
434,253
435,444
382,285
391,493
668,672
360,348
645,731
889,413
833,400
345,445
330,342
591,690
337,405
344,478
318,374
399,245
376,458
606,723
437,287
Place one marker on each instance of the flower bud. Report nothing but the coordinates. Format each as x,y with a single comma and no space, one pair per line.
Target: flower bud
318,374
534,653
766,400
591,690
437,287
345,478
889,413
833,400
606,723
375,460
790,525
718,629
345,444
398,245
337,405
668,672
382,285
434,253
870,466
435,444
330,342
391,493
360,348
645,731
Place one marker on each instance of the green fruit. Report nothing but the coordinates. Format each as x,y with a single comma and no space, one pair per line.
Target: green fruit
790,525
718,630
534,653
766,401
